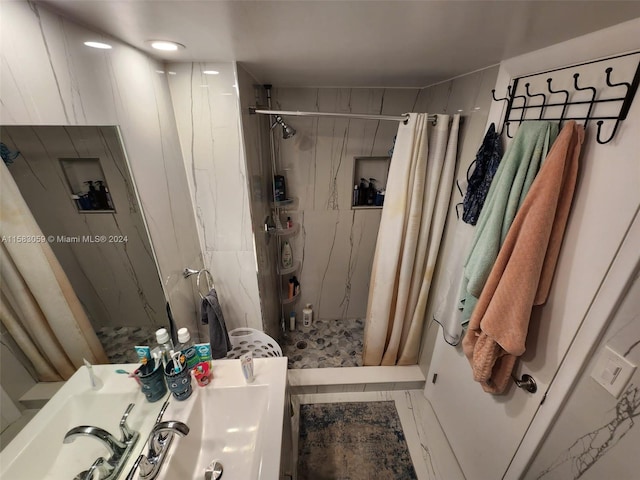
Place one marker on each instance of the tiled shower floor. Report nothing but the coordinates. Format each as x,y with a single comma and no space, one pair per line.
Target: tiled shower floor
326,344
118,342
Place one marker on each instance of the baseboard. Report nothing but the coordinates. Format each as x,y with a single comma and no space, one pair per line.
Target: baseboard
355,379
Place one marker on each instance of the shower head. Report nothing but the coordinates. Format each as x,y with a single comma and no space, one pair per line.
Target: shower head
287,131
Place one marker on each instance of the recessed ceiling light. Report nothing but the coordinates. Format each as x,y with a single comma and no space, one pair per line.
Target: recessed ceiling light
460,110
159,71
165,45
103,46
210,72
172,73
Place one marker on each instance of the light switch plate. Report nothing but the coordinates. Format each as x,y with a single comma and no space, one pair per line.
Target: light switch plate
612,371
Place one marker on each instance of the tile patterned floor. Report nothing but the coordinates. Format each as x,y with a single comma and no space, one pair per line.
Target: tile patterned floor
326,344
118,342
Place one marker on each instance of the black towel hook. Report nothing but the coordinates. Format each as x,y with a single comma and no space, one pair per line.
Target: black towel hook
613,133
593,96
507,98
506,127
531,95
609,83
566,96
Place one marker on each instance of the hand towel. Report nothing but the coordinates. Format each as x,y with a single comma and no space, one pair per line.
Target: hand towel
509,187
522,274
211,314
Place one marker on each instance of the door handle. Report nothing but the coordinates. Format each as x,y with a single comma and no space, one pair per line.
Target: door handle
526,383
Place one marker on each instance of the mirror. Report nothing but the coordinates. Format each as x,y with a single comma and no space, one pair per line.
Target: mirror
77,183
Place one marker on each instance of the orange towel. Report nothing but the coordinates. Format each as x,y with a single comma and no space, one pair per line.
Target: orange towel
522,274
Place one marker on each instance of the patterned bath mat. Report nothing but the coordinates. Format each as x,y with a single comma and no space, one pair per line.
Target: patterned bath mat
352,441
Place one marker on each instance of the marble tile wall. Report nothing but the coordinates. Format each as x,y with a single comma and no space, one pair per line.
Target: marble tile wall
596,435
335,244
207,116
48,77
255,130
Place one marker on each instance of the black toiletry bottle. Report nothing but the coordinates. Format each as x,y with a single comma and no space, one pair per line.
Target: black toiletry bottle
362,192
93,200
371,192
101,196
279,188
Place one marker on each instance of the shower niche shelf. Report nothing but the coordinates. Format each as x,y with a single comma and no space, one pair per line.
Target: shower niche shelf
287,204
283,232
367,168
291,269
287,301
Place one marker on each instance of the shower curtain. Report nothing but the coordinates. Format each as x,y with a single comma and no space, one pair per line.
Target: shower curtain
419,188
38,306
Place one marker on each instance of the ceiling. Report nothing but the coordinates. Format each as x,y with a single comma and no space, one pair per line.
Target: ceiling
347,43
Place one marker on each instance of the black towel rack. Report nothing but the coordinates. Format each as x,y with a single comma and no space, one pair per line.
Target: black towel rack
523,103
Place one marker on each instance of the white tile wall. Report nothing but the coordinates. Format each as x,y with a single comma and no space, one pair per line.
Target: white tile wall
336,244
207,114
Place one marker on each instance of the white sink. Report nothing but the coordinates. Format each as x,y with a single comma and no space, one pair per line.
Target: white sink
240,425
38,450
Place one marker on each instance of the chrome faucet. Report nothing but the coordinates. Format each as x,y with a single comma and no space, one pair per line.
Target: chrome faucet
109,468
159,442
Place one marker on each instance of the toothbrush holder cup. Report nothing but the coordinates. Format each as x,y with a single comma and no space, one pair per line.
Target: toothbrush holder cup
151,381
179,383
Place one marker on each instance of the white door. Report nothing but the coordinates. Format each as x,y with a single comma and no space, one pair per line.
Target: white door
484,430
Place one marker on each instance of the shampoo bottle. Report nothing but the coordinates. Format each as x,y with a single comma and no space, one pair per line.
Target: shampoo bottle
287,255
307,316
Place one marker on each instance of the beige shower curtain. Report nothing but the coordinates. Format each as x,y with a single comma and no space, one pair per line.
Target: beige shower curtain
415,209
37,303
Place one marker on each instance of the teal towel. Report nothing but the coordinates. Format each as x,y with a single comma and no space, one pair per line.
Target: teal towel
509,187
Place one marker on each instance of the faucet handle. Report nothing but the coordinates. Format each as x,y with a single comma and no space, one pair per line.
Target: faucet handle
127,433
100,465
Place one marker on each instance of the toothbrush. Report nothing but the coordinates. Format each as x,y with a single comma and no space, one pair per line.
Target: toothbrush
175,356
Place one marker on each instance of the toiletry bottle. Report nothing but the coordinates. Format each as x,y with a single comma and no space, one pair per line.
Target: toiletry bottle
291,289
287,255
91,196
362,192
307,316
292,321
371,192
187,347
101,196
289,222
165,343
277,221
279,188
296,286
355,198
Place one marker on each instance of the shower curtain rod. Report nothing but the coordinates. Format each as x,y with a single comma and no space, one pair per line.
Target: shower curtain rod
363,116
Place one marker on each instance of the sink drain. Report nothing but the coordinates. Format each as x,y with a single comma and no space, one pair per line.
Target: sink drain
301,345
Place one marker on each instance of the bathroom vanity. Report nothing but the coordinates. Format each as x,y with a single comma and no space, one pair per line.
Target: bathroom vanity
238,424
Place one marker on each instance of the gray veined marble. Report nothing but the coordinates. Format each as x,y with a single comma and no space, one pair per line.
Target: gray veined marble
583,454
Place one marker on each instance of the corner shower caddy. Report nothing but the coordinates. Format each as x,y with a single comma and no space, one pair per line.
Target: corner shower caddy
554,103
